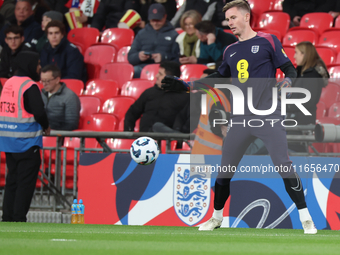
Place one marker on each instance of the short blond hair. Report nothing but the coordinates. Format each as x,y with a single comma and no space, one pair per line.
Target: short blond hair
195,15
239,4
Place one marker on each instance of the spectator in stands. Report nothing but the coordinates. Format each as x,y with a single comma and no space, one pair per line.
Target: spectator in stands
311,75
7,9
57,5
60,52
110,12
24,17
188,42
62,105
88,8
155,43
14,44
198,5
156,104
39,7
47,18
213,43
218,17
142,7
297,8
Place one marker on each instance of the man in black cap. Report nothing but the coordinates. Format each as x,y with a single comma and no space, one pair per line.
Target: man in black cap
155,43
47,18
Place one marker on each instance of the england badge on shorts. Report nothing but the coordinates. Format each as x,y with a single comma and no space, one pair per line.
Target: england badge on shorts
191,193
255,48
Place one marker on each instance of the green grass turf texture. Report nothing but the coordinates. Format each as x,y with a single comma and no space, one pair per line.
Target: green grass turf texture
63,239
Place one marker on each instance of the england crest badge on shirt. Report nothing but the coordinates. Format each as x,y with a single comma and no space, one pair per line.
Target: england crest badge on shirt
255,48
191,193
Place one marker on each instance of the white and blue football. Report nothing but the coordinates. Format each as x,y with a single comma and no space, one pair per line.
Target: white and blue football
144,150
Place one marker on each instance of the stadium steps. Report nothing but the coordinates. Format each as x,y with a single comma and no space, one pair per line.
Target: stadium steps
47,217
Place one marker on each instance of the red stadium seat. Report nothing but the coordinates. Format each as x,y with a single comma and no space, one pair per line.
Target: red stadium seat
294,37
118,106
89,105
104,89
337,22
319,21
100,122
334,110
96,56
3,81
136,87
290,51
338,59
320,110
77,86
330,94
149,72
122,55
119,72
269,31
330,39
119,37
328,55
277,5
334,71
83,37
279,74
179,30
119,144
192,71
274,20
258,7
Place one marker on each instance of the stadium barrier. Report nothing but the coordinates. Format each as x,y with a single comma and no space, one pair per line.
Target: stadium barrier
55,191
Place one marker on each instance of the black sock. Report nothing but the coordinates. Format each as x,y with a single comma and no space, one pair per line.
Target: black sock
221,194
294,189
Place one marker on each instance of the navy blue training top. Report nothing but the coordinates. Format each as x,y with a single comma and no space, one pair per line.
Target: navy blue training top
258,57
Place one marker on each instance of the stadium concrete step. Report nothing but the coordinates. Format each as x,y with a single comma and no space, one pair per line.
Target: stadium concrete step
47,217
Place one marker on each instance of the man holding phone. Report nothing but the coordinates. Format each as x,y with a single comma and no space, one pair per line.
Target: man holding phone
155,43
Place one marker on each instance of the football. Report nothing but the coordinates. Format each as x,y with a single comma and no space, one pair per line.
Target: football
144,150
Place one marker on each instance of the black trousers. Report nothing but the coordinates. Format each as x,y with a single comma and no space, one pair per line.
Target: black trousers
21,178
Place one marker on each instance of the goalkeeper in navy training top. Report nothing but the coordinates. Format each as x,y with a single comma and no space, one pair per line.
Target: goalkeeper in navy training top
255,55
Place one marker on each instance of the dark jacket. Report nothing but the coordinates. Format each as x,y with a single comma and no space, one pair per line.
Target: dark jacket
57,5
32,31
302,7
155,105
7,58
42,41
162,41
62,108
110,12
67,57
214,51
312,79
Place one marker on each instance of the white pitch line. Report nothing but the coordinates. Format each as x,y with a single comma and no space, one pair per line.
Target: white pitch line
63,240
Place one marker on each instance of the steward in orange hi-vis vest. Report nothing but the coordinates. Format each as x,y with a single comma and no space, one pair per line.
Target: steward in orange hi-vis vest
206,142
19,131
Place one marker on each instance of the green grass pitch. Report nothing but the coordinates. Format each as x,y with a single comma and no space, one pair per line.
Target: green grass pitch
63,239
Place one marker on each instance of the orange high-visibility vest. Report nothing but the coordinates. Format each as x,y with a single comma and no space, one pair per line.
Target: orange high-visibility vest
206,142
18,129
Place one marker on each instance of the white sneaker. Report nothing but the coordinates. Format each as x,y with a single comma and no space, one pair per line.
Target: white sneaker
309,227
210,225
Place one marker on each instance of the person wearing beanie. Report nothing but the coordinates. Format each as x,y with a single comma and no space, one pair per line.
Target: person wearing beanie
47,17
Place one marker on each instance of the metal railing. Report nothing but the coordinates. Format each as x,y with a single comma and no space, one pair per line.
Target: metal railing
53,193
